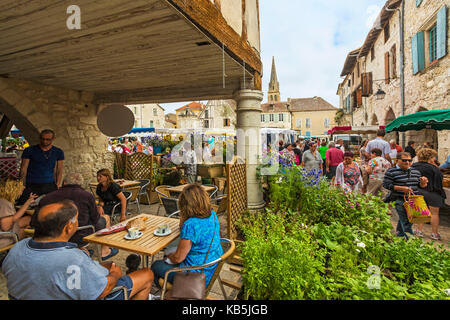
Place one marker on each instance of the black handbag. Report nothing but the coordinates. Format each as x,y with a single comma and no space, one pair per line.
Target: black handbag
191,285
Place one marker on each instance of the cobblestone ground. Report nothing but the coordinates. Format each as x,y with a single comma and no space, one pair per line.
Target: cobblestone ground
216,292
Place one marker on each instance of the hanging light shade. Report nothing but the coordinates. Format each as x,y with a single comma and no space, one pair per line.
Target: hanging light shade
380,94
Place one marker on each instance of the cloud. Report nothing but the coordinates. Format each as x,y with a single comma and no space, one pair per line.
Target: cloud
310,41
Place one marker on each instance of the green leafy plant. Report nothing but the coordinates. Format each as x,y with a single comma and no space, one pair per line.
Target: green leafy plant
317,242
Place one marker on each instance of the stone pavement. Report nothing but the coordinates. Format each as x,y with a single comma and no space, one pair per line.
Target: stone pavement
216,292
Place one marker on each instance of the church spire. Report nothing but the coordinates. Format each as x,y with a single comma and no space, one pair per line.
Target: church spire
274,86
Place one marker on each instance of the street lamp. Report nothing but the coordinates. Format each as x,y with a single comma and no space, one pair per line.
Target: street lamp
380,94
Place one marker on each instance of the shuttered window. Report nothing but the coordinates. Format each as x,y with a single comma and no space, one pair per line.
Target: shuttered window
418,52
308,123
433,43
394,61
366,83
386,68
358,98
299,123
441,33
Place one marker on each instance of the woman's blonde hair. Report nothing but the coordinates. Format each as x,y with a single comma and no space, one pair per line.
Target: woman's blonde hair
106,173
194,201
425,154
11,189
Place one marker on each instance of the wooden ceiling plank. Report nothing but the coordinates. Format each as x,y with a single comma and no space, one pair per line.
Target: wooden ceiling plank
38,37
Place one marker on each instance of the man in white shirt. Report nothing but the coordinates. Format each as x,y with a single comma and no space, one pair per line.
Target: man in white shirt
381,144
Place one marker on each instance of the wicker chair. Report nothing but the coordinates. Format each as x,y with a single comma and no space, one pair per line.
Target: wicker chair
219,204
166,286
14,237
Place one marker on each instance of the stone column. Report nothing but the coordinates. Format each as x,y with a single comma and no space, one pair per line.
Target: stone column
248,141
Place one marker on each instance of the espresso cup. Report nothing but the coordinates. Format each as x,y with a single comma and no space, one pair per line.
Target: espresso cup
133,232
163,228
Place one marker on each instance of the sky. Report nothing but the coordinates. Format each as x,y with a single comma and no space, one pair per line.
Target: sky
310,40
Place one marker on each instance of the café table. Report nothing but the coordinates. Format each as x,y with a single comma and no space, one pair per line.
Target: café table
147,246
179,189
121,182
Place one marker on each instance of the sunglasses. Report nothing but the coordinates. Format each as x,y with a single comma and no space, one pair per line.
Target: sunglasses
406,160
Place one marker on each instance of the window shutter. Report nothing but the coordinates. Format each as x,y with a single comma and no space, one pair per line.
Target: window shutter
418,52
418,2
359,97
276,117
370,83
386,68
394,61
441,32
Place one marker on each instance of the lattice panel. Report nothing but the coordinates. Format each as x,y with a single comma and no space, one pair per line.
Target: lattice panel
237,193
120,164
138,166
9,167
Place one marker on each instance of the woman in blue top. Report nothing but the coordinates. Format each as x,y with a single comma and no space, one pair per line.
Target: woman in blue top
200,228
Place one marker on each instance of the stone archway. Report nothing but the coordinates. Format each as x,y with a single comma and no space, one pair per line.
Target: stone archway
389,117
374,121
71,114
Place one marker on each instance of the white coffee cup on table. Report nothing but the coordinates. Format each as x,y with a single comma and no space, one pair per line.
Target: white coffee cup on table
133,232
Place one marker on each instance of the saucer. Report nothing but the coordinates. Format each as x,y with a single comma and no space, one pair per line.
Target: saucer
127,236
159,234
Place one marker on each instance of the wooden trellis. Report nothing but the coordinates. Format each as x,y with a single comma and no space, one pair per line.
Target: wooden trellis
138,166
237,193
120,164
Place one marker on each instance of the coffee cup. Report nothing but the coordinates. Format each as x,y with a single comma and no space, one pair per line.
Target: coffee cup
163,228
133,232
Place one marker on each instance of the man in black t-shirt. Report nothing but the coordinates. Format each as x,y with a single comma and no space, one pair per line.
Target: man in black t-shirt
42,167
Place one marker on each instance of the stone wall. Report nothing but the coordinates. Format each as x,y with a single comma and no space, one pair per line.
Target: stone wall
427,90
34,107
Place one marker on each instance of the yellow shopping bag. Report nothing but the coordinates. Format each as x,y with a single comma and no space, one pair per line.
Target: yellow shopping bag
416,209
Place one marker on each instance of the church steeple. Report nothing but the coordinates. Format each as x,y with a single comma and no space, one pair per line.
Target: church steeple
274,87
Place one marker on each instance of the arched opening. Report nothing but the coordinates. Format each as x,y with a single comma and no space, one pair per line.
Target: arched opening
390,116
374,121
29,131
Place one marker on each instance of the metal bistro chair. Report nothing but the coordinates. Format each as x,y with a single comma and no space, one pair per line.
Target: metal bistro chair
143,192
212,192
135,197
171,206
162,192
228,246
219,204
115,220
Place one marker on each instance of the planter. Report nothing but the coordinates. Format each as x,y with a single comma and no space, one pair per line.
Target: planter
211,171
153,198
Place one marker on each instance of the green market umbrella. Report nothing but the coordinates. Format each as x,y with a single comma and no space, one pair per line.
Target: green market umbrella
434,119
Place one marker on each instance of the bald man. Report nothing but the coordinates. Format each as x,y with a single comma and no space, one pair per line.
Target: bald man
48,267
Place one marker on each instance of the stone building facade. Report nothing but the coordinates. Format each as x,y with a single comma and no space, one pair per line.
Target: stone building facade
378,66
148,115
219,114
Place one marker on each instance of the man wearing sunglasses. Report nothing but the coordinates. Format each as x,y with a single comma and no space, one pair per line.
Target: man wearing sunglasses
42,166
401,180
